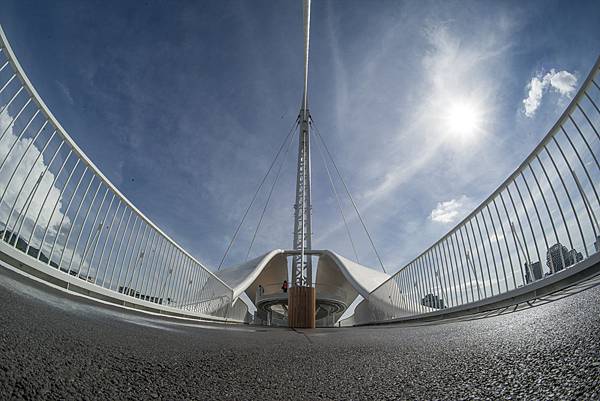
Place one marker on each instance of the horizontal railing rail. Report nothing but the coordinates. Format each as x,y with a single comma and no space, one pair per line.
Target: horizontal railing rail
323,291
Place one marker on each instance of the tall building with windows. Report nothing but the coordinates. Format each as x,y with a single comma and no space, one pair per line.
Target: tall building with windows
559,257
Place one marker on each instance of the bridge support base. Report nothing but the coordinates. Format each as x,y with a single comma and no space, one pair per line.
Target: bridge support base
302,305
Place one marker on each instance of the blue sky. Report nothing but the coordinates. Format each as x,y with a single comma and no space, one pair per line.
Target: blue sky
183,105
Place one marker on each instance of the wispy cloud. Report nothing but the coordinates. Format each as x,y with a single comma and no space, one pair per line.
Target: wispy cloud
65,91
562,82
452,68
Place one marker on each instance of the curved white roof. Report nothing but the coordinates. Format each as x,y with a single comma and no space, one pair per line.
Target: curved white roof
363,279
243,277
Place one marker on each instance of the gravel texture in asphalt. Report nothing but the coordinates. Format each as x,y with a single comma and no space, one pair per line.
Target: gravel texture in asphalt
57,347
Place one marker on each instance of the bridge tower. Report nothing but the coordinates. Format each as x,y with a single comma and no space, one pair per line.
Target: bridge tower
302,266
302,297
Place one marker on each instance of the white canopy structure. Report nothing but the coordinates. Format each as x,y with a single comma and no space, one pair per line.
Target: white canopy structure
338,282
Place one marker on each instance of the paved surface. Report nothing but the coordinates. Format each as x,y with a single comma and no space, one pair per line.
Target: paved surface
57,348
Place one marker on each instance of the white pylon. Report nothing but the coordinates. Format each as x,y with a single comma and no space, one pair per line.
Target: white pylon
301,265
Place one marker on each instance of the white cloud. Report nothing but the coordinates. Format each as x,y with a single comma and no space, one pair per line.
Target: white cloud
534,97
562,82
17,199
451,211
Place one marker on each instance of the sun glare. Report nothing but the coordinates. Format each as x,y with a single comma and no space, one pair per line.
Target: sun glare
463,119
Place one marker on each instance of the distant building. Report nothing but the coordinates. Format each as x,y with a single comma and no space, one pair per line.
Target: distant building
136,294
21,244
559,257
574,257
555,257
433,301
536,270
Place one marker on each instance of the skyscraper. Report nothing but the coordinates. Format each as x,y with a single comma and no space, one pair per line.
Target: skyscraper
559,257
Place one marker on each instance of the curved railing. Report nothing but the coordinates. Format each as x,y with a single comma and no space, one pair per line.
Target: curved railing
543,219
272,293
61,216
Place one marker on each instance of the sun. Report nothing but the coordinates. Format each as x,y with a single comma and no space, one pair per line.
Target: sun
463,119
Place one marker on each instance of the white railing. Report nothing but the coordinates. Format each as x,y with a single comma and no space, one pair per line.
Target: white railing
58,211
543,219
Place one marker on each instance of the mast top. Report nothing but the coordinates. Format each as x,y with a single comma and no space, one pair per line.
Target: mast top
306,12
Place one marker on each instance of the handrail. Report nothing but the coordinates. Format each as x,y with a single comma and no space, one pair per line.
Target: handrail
572,105
149,267
553,195
4,44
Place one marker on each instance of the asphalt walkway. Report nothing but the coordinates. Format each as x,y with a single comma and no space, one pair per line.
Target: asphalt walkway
56,348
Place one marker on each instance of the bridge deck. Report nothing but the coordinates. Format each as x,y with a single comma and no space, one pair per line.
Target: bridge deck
52,347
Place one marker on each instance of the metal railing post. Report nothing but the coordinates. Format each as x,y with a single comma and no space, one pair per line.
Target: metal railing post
121,239
567,191
29,196
108,236
73,224
506,244
54,210
44,202
515,242
62,219
93,232
466,257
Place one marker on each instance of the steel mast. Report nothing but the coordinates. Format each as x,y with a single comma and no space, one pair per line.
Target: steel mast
302,265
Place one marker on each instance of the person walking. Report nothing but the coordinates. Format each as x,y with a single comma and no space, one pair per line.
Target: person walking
284,286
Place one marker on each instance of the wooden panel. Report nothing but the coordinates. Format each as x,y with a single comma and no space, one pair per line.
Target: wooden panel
302,306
